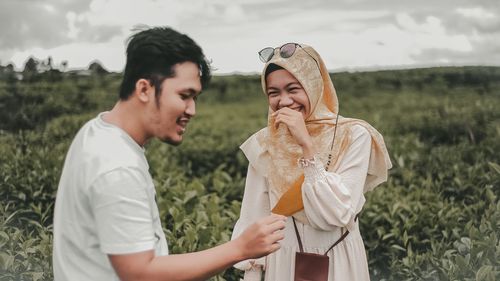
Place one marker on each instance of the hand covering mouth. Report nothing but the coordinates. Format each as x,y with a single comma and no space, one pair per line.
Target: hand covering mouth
297,108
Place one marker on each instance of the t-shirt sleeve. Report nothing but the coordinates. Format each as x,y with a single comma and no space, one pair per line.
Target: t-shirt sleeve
121,203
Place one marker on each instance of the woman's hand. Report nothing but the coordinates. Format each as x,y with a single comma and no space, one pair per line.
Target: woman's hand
294,120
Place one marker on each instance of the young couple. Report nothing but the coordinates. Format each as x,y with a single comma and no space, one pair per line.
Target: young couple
308,171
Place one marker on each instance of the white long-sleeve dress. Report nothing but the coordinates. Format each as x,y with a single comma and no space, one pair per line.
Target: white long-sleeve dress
331,202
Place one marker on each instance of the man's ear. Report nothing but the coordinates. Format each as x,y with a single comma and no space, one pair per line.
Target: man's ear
143,90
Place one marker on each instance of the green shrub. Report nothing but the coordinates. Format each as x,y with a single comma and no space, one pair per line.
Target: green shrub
437,217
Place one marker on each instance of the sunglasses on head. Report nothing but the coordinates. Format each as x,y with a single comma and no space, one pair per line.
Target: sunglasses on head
287,50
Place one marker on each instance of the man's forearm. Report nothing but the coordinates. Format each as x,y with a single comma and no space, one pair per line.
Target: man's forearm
193,266
259,239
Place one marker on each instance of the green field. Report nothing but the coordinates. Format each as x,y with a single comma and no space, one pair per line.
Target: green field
437,217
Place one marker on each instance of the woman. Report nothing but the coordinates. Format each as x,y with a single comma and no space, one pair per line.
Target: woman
309,164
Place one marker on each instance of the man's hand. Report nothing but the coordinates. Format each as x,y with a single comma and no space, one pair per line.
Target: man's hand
262,237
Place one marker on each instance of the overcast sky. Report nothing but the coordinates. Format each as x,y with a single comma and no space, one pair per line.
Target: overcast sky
349,34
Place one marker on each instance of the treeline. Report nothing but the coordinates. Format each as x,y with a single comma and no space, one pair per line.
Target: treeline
36,70
436,80
41,92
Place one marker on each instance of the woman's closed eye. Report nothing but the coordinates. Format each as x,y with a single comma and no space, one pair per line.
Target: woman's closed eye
272,93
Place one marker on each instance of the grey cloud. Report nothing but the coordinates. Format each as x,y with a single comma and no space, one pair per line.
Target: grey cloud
436,56
486,52
427,6
465,25
483,34
76,6
25,23
419,10
97,34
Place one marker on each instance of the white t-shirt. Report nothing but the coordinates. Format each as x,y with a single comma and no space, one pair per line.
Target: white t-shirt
105,204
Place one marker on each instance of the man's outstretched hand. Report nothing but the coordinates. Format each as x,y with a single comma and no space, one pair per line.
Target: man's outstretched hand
262,237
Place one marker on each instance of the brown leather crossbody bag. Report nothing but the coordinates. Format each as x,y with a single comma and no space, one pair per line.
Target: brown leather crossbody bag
313,267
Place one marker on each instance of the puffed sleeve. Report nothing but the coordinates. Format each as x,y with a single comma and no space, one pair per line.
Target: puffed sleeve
332,199
254,206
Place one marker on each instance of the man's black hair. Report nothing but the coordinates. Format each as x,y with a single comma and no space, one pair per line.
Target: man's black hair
152,55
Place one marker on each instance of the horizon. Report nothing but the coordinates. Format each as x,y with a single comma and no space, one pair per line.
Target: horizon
214,73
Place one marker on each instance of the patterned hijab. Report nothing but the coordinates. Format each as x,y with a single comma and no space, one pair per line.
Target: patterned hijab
282,151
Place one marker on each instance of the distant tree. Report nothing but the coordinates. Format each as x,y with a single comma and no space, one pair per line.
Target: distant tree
31,66
30,72
96,68
10,67
45,65
64,65
53,75
9,73
49,62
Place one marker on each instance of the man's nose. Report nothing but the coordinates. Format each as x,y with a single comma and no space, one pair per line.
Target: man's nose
191,108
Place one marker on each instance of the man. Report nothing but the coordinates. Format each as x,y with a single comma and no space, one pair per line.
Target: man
106,224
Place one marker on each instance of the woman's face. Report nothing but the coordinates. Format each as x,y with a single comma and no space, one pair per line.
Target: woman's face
283,90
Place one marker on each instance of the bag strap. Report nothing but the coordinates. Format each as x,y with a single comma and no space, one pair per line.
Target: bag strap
298,236
331,247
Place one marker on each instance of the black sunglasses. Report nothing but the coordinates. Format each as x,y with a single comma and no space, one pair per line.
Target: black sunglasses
287,50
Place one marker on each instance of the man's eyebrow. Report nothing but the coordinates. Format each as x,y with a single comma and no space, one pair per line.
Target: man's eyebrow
191,91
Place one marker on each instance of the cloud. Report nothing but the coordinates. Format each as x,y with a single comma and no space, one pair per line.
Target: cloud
24,24
47,24
79,55
82,30
128,13
485,50
476,19
472,36
354,34
347,33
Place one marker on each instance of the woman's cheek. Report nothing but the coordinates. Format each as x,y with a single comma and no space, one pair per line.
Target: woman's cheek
273,103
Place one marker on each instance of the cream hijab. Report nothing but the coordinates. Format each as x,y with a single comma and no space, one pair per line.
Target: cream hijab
278,153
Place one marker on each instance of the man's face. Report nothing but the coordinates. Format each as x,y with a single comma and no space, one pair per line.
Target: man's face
175,106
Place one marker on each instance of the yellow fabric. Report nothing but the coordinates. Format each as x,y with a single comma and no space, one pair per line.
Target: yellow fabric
285,177
291,201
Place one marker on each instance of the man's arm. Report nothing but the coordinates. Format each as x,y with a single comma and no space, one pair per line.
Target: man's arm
260,239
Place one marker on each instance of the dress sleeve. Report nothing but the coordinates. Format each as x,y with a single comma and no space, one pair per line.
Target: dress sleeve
255,205
332,199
